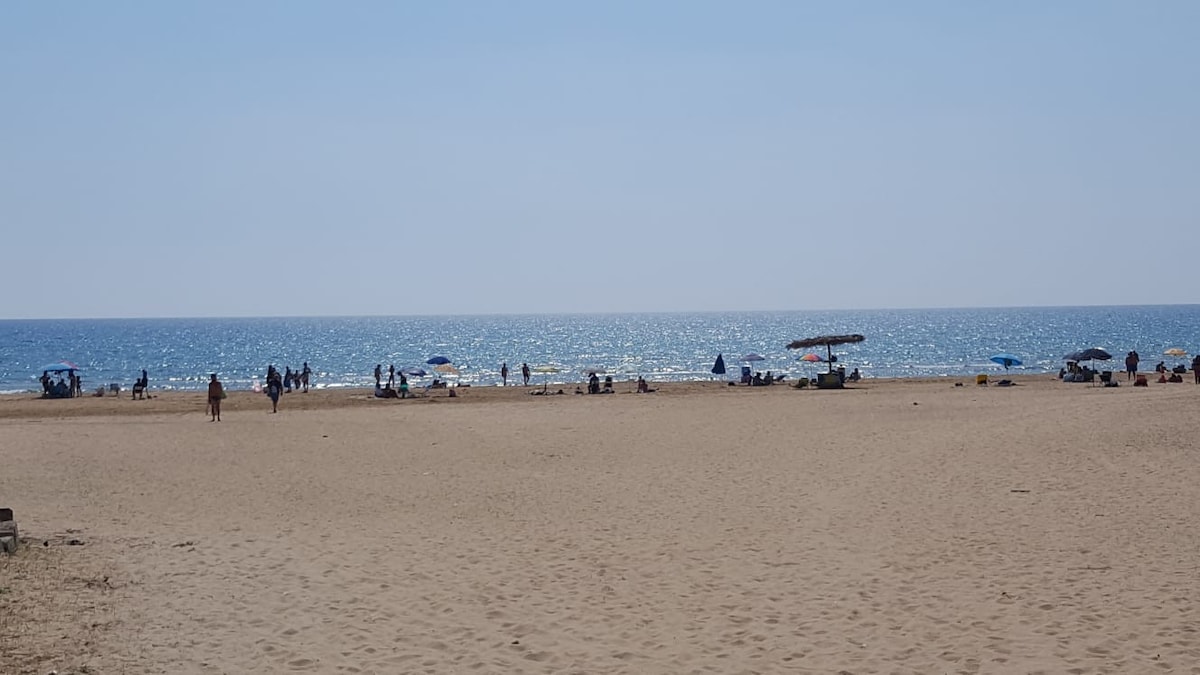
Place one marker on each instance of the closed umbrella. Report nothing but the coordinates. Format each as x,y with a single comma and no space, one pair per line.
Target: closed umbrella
719,367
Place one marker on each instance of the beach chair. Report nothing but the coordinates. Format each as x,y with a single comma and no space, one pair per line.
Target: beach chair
981,380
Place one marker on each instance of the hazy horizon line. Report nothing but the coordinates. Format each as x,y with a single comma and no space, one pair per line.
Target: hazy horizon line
586,313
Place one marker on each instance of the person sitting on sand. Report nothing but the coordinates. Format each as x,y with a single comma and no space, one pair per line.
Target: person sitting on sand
854,376
642,386
594,384
757,380
1175,377
1161,367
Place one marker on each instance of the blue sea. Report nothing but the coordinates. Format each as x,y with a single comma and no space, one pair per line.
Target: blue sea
343,351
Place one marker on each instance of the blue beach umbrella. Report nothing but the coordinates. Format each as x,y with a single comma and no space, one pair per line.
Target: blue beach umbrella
719,367
437,361
1006,360
414,372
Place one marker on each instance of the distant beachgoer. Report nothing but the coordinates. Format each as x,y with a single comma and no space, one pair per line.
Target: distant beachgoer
1161,367
305,375
525,373
642,386
273,392
287,378
403,385
46,382
504,374
854,376
594,384
378,375
216,392
1196,367
391,375
1131,365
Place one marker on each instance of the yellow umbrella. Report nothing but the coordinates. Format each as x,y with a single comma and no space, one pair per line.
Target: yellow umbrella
446,369
1175,351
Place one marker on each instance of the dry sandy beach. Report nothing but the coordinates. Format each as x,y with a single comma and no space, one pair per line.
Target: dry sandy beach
896,527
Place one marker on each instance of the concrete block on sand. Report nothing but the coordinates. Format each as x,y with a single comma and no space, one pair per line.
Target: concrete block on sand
8,536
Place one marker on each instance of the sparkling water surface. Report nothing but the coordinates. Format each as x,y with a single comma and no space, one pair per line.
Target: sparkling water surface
343,351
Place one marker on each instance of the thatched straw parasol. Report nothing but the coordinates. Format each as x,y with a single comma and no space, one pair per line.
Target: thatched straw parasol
828,341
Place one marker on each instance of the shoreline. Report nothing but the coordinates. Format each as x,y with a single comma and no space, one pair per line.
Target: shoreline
29,405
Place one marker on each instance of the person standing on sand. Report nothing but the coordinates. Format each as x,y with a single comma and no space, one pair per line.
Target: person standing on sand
504,374
305,374
378,375
1131,364
216,392
391,375
1196,367
525,373
273,392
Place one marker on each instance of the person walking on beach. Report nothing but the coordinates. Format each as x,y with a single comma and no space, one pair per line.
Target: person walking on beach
305,373
504,374
378,375
1131,365
525,373
216,392
273,391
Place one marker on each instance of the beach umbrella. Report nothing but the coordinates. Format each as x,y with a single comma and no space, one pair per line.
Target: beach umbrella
60,367
752,357
1175,351
719,366
437,361
828,341
1006,360
593,370
545,371
811,358
1092,354
414,371
1095,353
446,369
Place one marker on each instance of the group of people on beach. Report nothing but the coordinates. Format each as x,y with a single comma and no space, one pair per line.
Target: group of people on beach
278,385
72,387
504,374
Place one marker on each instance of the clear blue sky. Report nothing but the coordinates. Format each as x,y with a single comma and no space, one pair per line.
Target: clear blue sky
301,158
